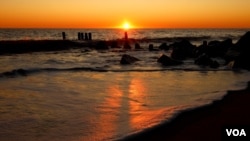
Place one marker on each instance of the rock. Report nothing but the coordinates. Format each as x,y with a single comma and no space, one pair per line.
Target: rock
213,43
214,64
167,61
126,45
13,73
231,55
101,45
164,46
200,49
127,59
182,50
239,55
114,44
217,48
214,48
231,64
151,48
205,60
137,46
244,42
21,72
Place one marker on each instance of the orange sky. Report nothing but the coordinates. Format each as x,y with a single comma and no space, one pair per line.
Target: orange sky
112,13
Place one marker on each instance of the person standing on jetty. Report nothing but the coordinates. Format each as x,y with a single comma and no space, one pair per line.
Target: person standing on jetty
126,41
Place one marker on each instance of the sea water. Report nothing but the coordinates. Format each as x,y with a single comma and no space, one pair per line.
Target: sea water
110,34
78,95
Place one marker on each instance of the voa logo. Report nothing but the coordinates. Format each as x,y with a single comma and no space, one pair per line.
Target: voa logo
236,132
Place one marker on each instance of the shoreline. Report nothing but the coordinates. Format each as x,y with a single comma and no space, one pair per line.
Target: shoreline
203,123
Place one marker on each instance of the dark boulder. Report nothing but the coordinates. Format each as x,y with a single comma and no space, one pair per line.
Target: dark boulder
239,55
205,60
164,46
214,64
213,43
114,44
127,45
200,49
127,59
218,48
167,61
101,45
244,43
137,46
14,73
182,50
151,48
231,55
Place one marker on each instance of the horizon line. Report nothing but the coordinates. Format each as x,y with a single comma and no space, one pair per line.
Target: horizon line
122,28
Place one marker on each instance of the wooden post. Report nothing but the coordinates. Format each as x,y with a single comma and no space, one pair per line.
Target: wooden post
90,36
79,35
82,36
64,35
86,36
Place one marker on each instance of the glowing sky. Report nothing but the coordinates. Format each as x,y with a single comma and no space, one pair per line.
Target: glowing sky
112,13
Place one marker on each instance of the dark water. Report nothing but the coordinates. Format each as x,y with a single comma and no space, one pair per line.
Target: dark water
77,95
108,34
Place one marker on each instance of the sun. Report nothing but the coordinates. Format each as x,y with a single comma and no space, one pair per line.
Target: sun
126,25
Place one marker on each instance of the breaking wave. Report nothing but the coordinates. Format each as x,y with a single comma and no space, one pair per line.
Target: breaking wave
26,72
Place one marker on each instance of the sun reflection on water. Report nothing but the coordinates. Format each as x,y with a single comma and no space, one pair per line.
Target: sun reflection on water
125,108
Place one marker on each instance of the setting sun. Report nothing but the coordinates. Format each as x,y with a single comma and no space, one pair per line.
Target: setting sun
126,26
108,14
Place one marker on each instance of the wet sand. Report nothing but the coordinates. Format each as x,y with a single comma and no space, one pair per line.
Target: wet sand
205,123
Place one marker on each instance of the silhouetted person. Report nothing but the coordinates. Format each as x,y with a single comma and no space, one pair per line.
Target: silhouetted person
126,36
126,44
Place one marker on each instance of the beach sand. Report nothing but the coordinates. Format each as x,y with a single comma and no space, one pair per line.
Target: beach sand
206,123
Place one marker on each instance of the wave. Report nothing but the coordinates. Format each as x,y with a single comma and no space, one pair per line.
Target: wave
26,72
171,39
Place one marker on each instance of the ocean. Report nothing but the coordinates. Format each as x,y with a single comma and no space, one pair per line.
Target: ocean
87,95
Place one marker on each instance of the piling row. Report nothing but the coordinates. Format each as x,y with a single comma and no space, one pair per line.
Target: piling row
81,36
84,36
